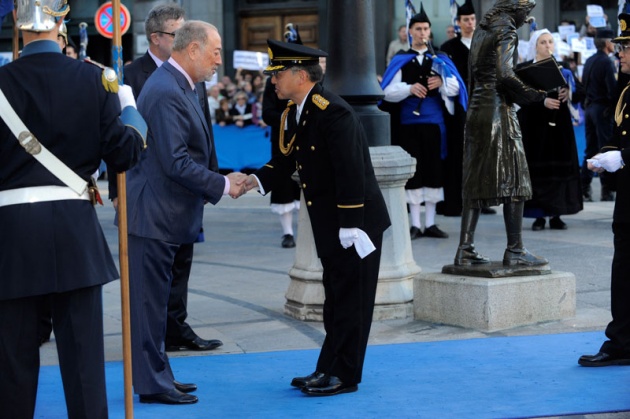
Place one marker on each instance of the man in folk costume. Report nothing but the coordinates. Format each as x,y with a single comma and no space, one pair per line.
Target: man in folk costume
458,50
426,86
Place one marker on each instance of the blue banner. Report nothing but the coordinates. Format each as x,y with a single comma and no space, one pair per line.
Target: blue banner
242,148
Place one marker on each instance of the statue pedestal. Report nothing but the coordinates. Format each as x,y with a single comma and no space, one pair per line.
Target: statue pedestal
394,295
490,303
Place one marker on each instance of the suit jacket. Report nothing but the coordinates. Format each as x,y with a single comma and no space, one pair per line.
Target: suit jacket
168,188
332,157
599,79
136,74
58,246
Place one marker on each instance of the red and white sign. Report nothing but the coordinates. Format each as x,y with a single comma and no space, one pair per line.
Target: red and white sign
104,20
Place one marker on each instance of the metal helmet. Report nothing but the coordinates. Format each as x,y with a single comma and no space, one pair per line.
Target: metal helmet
63,32
40,15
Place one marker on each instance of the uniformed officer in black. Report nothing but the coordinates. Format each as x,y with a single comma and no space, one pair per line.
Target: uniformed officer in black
51,241
325,141
616,350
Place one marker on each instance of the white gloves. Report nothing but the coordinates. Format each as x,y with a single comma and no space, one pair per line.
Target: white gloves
125,95
357,237
610,161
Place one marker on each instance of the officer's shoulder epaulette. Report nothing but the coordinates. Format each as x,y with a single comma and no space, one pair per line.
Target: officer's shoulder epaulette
321,102
109,78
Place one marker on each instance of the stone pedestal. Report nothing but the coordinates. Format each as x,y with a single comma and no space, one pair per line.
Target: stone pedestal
394,295
491,304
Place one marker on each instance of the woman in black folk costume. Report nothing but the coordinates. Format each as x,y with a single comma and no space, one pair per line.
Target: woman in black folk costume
550,147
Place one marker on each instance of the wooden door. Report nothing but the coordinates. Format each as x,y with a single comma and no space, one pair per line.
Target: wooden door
255,30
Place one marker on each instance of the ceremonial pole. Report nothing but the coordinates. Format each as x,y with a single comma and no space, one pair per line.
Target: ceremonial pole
16,36
122,231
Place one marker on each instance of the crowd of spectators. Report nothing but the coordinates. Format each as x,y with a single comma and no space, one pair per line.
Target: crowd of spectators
238,100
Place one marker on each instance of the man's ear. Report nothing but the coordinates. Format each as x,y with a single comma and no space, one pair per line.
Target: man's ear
193,50
154,37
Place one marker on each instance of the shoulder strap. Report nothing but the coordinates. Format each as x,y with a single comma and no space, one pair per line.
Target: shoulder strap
37,150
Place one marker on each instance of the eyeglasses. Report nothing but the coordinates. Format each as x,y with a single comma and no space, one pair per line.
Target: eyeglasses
166,33
275,72
619,48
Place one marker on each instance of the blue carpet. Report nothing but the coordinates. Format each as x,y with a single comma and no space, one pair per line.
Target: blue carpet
503,377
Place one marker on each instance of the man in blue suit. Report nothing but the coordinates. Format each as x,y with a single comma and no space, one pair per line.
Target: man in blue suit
160,26
167,192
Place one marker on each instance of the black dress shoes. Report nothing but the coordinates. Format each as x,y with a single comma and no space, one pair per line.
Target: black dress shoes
415,233
329,386
185,387
555,223
197,344
173,396
307,381
435,232
539,224
288,241
602,359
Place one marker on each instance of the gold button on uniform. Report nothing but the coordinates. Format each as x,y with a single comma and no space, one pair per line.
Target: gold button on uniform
304,186
297,147
623,133
309,203
312,148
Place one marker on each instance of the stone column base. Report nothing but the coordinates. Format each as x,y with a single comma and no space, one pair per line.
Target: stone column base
491,304
304,299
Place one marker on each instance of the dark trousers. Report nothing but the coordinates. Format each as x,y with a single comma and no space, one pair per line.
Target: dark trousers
177,330
150,276
78,324
598,129
618,330
350,289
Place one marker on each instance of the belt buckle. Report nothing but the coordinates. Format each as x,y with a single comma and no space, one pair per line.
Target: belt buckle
30,143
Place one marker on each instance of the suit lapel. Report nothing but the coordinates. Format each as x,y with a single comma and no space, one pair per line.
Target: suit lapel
190,95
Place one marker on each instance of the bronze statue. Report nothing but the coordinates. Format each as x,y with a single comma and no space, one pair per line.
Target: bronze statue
495,169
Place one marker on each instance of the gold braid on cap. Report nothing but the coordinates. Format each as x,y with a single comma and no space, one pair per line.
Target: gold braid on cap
286,150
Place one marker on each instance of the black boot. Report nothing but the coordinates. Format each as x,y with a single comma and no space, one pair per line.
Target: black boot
466,253
515,253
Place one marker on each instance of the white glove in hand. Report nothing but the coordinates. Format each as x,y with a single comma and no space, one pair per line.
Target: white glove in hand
347,236
357,237
611,161
125,95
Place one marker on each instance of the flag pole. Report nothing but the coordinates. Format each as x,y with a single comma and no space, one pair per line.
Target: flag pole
16,36
122,231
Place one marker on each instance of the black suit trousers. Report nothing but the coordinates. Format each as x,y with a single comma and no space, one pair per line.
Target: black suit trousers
618,330
350,290
78,324
177,330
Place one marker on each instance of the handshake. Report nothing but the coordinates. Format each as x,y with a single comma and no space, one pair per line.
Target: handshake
241,183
